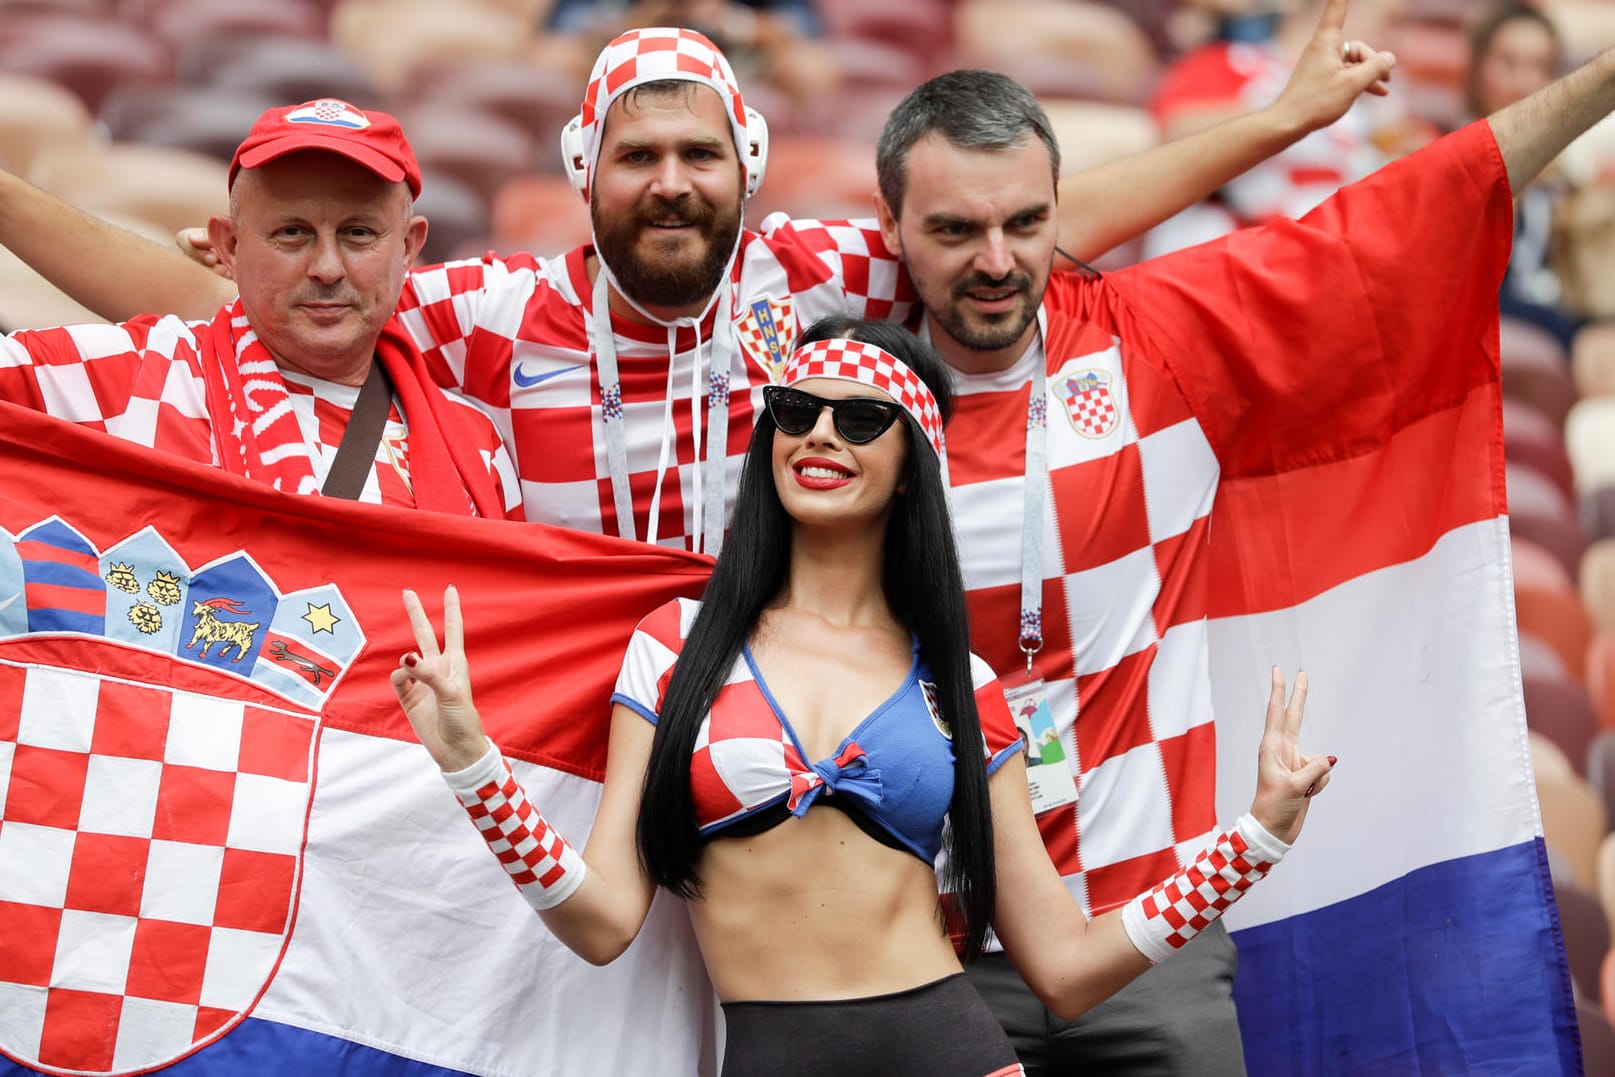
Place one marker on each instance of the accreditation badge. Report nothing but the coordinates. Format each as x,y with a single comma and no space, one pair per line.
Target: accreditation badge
1048,772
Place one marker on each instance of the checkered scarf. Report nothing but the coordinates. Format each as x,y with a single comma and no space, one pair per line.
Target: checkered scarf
258,435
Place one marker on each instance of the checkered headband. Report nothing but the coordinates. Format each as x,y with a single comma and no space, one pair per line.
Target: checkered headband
650,55
854,360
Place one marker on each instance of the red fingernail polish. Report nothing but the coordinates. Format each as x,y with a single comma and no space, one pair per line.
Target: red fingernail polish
1331,761
410,660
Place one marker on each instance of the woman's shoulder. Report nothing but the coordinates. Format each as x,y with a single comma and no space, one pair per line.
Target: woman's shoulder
669,624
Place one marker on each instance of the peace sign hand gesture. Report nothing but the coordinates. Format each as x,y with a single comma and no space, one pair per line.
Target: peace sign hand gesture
434,686
1286,779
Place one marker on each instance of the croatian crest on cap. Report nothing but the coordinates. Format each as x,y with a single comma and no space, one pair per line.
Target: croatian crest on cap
158,724
329,112
766,329
1088,402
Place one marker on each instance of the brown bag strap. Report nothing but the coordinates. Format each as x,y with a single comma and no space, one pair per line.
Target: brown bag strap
356,453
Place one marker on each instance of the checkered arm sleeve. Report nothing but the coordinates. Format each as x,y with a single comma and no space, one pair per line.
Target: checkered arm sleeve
544,867
1162,920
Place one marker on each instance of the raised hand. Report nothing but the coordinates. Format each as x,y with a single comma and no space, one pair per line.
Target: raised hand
1286,779
434,686
1331,72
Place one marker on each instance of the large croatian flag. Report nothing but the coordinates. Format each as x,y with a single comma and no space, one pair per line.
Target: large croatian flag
221,850
1412,929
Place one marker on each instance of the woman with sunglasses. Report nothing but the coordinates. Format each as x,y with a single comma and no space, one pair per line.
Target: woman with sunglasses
827,667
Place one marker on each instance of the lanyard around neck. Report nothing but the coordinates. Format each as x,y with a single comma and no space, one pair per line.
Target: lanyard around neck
709,482
1034,500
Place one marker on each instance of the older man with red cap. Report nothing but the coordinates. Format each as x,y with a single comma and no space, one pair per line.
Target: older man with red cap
304,382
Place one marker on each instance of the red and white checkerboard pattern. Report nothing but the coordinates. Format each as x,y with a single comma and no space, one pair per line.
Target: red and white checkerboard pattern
150,850
1124,661
855,360
744,756
513,334
1163,920
544,867
648,55
141,381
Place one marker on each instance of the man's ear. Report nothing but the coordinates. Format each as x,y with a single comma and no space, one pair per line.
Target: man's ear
222,234
414,239
888,225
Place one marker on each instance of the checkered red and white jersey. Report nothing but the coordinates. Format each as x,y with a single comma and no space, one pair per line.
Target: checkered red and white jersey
513,333
1169,383
1249,76
141,381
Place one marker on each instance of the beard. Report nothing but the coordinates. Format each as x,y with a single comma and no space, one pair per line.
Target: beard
986,332
655,272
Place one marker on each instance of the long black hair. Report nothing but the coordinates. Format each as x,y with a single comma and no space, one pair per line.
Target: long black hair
924,587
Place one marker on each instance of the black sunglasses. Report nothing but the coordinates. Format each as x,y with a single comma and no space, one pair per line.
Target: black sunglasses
859,419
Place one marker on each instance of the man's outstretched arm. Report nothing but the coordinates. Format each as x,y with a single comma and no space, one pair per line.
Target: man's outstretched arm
103,267
1109,204
1533,131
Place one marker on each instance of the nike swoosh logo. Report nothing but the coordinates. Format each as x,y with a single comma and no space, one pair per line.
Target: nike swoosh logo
527,381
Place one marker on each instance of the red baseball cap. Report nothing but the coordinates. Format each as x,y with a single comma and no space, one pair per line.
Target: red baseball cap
372,139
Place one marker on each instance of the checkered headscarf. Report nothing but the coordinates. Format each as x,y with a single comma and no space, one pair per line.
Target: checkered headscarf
854,360
650,55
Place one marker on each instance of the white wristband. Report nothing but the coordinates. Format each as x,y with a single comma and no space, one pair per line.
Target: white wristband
544,867
1162,920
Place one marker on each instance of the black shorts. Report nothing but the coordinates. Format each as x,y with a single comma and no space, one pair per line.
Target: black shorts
939,1029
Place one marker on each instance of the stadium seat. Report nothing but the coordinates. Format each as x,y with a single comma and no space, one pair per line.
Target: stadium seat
86,56
1539,659
170,189
1598,584
180,22
1572,824
1600,677
816,176
1592,359
288,70
1590,441
457,216
1533,493
1586,931
922,27
539,213
1552,530
390,38
1105,52
34,113
1546,758
477,148
1601,769
1522,344
1597,512
539,100
1597,1038
1539,444
211,122
1561,711
1536,566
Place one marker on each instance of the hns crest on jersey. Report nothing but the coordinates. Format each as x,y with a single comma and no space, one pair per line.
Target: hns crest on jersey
766,331
158,725
329,112
1088,401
